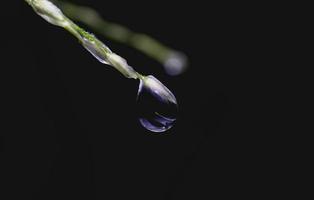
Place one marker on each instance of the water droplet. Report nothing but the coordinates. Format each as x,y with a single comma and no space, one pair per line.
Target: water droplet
95,50
176,63
156,105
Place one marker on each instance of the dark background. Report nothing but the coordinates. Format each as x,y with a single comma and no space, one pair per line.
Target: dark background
70,128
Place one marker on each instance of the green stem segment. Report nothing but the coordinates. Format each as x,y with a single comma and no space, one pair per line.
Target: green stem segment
53,15
171,59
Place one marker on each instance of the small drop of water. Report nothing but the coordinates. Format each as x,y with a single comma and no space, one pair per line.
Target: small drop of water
95,50
156,105
176,63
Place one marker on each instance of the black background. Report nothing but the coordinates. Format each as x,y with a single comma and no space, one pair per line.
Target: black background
70,128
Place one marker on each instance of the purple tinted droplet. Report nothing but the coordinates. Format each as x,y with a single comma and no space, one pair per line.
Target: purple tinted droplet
176,63
156,105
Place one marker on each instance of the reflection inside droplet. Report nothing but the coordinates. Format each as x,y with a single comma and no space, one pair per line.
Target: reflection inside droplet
157,107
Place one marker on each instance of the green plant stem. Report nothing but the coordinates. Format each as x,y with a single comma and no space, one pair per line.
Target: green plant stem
53,15
119,33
